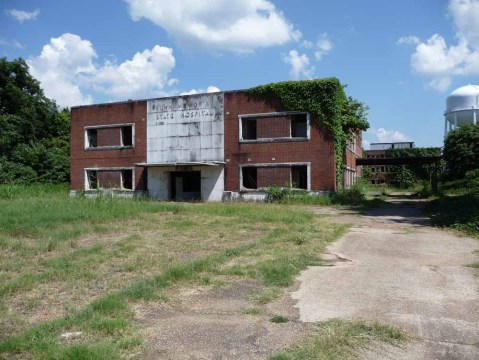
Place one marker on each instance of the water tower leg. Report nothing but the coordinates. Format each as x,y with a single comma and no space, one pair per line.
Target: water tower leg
474,117
455,121
445,126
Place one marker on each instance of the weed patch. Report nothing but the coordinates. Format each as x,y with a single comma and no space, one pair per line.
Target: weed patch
339,339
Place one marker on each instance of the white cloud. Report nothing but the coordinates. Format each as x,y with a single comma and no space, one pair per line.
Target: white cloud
144,75
384,135
437,59
210,89
22,16
66,70
408,40
323,46
300,65
59,67
240,25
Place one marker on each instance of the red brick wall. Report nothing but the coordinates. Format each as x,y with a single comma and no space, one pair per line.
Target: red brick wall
107,114
109,137
318,150
109,179
273,127
268,176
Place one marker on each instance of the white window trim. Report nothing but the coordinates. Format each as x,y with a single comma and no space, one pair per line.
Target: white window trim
87,183
273,165
110,126
273,114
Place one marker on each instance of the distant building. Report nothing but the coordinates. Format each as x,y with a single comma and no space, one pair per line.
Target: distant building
207,146
378,150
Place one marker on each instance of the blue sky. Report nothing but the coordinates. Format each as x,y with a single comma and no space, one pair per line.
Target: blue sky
401,58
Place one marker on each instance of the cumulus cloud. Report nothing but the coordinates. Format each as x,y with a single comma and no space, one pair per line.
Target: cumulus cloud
384,135
323,46
240,25
408,40
22,16
436,59
66,70
210,89
300,65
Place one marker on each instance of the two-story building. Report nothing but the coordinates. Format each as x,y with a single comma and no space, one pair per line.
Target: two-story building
207,147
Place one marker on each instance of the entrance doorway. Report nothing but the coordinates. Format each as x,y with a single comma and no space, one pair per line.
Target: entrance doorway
185,185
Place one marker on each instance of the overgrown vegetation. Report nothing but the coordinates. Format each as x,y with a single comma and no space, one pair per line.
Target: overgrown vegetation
405,176
461,151
341,339
355,195
81,265
326,101
457,205
35,136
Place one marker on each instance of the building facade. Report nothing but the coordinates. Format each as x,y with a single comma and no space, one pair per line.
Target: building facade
378,174
207,147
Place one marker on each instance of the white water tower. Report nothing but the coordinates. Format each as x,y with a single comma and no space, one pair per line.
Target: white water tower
462,107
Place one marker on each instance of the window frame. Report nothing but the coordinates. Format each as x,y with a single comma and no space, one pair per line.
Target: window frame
259,116
273,165
87,172
110,126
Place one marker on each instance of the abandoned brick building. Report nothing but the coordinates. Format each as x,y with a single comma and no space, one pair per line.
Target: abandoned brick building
206,146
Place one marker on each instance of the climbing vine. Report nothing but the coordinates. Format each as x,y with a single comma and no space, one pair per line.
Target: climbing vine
326,101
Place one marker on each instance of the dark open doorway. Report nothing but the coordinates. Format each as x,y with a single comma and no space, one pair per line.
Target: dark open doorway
185,185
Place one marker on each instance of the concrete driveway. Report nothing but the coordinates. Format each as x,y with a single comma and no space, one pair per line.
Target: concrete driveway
392,267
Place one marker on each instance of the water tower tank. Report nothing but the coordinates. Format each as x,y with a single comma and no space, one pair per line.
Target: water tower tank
462,106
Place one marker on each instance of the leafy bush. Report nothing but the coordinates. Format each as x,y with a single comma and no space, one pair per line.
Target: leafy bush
275,193
355,195
461,151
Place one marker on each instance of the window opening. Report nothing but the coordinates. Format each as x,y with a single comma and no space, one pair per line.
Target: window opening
299,177
127,179
249,128
299,125
127,136
250,177
92,177
92,138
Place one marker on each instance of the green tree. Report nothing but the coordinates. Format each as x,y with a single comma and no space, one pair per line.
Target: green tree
461,151
34,136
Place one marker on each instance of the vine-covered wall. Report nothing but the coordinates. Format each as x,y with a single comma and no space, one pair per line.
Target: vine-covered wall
326,100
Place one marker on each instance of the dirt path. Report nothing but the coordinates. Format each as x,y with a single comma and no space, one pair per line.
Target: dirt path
394,268
391,267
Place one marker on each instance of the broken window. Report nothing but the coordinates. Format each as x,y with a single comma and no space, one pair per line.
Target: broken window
299,177
274,126
92,180
92,137
109,136
127,179
127,135
299,125
250,177
121,179
249,128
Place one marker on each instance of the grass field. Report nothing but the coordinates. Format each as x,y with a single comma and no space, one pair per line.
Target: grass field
80,265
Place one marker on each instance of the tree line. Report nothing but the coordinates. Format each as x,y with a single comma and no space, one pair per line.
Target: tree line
34,132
